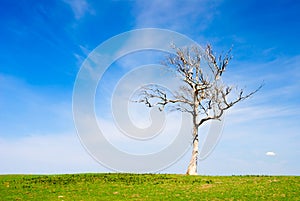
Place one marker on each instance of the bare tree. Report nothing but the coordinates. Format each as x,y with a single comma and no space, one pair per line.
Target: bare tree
202,93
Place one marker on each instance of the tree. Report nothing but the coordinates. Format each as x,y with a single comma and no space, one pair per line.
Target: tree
202,93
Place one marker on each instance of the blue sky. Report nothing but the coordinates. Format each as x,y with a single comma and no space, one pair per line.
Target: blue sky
43,44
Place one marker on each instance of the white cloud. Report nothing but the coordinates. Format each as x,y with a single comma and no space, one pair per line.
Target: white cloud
51,153
79,7
27,109
270,153
175,15
276,100
246,112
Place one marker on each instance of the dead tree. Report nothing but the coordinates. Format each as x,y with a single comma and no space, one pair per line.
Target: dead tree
202,93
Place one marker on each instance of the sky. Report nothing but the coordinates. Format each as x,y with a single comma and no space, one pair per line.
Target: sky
44,44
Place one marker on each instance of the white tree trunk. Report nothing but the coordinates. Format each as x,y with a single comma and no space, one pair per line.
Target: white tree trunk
192,168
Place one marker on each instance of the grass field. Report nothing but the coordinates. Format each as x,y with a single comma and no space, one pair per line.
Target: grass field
87,187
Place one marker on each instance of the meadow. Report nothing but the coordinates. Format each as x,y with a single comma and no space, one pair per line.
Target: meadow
113,186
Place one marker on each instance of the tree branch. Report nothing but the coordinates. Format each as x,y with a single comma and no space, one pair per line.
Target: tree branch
153,95
202,93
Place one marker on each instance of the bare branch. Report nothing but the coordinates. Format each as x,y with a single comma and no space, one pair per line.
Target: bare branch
217,66
153,95
202,93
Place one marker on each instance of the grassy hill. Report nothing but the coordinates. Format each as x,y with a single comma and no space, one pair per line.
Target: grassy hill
88,187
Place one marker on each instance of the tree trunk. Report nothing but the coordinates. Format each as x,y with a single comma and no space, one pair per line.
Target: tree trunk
192,168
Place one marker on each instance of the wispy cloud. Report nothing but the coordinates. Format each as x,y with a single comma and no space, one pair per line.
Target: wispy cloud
260,112
29,109
45,153
281,83
175,15
79,7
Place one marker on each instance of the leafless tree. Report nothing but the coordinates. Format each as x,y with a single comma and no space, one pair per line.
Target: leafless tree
202,93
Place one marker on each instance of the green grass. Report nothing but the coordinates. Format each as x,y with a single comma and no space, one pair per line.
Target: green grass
88,187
